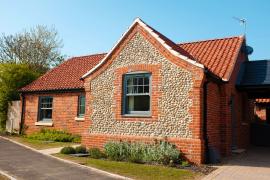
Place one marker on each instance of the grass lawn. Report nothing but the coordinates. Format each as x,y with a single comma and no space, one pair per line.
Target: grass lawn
132,170
37,144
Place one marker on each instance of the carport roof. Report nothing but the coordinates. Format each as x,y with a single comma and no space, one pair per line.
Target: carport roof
254,74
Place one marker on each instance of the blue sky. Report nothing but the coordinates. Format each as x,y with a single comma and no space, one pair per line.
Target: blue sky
94,26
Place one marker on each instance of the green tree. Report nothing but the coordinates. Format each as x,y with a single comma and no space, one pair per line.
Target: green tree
38,47
12,77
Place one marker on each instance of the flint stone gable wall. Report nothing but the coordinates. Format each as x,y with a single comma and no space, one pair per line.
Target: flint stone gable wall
173,104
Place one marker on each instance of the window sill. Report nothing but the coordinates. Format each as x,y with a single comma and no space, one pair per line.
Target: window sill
44,123
137,115
79,118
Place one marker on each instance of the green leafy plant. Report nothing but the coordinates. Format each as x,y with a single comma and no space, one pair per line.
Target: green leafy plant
185,164
96,153
136,152
54,135
161,152
81,149
117,151
68,150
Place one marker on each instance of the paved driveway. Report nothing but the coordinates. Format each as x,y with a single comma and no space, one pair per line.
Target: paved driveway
23,163
253,165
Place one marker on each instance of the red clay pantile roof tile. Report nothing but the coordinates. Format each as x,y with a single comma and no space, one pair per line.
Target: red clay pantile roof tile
218,55
65,76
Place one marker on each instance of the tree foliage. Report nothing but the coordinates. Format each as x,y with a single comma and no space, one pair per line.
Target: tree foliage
12,77
39,48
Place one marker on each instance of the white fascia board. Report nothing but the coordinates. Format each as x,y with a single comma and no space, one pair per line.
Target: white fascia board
169,48
156,36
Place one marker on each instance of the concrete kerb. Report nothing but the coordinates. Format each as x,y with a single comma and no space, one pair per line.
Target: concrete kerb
70,162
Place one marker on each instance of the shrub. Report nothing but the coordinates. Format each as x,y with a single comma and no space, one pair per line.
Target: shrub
96,153
68,150
185,164
54,135
81,149
136,152
117,151
161,152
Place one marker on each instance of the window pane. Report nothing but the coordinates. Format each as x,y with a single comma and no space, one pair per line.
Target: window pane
45,111
135,81
138,103
136,86
146,89
140,81
140,89
146,81
129,81
129,89
81,108
46,114
46,102
82,100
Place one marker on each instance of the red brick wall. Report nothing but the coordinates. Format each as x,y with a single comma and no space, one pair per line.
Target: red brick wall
243,110
64,112
213,116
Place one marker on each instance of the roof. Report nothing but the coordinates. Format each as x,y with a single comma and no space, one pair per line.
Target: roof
254,74
65,76
218,55
165,42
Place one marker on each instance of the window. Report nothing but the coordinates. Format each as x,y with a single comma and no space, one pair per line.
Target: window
45,108
81,106
137,94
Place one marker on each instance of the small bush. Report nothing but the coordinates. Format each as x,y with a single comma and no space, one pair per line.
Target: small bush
117,151
161,152
136,152
185,164
96,153
68,150
54,135
81,149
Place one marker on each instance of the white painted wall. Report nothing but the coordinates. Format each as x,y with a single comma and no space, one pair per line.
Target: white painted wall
13,117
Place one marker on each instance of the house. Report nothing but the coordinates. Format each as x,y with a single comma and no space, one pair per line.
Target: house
148,87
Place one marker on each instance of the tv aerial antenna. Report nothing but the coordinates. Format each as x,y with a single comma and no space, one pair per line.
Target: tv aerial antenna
243,22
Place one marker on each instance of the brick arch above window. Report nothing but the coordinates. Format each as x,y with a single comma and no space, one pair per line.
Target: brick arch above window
155,92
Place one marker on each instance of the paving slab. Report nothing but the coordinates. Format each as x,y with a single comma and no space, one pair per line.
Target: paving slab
25,164
252,165
53,150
